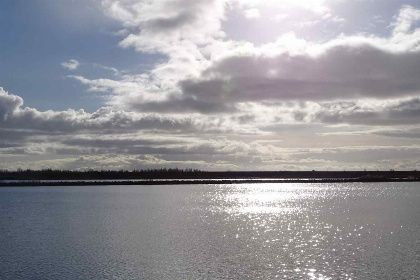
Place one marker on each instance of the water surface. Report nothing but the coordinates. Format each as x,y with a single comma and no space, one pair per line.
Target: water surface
245,231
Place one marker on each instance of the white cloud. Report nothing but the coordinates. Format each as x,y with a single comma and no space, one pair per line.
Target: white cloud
317,6
407,16
183,30
13,116
252,13
71,64
281,17
208,72
215,103
114,70
9,104
345,68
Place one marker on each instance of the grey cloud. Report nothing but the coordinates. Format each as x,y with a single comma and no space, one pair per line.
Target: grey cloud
139,162
171,23
244,118
120,153
20,127
155,147
362,154
14,135
12,116
292,128
342,72
404,112
176,105
401,133
112,143
336,158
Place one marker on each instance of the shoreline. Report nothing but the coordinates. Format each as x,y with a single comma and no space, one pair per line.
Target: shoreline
198,181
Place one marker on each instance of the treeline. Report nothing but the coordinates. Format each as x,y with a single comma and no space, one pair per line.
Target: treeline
176,173
50,174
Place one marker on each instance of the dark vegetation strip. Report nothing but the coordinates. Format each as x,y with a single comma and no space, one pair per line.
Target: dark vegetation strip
178,174
195,182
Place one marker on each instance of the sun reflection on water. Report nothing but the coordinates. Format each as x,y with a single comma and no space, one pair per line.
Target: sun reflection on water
282,225
304,231
265,198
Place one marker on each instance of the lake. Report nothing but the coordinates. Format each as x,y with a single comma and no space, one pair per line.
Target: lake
244,231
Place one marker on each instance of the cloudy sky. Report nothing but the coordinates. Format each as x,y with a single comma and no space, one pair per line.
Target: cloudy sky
210,84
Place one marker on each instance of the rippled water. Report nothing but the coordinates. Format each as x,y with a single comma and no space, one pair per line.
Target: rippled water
267,231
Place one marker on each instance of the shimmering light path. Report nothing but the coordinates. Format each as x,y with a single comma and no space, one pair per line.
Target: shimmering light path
267,231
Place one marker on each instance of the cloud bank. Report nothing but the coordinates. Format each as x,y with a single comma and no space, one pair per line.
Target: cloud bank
213,102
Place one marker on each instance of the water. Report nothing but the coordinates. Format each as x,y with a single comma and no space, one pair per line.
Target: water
266,231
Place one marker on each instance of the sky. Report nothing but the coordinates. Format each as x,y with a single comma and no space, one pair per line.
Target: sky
210,84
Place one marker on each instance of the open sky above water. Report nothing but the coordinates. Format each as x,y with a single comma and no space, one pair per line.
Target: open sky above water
210,84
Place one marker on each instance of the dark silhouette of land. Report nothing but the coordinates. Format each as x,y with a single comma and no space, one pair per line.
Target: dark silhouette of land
50,177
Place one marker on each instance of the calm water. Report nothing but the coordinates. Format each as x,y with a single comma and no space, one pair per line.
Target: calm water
268,231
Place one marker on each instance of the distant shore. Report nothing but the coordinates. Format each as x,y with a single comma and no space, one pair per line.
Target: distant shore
48,177
34,183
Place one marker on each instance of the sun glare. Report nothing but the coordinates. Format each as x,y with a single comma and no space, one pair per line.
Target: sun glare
266,198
